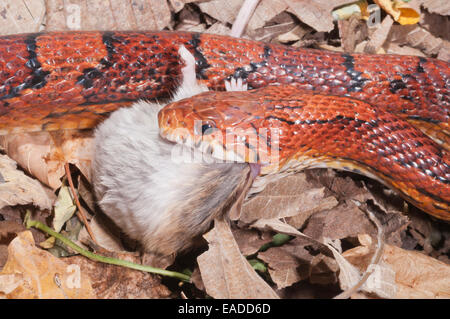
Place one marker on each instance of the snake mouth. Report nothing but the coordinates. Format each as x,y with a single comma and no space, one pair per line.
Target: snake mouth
206,144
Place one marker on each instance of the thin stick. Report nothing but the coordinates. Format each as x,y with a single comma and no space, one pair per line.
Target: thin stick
108,260
375,258
243,17
80,212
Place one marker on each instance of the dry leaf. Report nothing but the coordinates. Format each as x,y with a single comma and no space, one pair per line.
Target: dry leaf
20,16
436,24
282,23
190,20
31,272
416,37
378,37
18,189
358,8
8,230
352,31
295,34
346,220
392,48
114,282
400,11
289,263
107,15
178,5
43,154
224,11
444,52
250,240
417,275
107,235
225,272
64,208
441,7
265,11
316,14
219,28
324,270
286,197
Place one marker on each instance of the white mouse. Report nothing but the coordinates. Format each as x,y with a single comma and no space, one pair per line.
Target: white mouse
161,203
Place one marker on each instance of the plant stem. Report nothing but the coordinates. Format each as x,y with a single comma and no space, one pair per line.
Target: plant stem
108,260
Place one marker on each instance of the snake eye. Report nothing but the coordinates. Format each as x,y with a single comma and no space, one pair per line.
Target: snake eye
207,128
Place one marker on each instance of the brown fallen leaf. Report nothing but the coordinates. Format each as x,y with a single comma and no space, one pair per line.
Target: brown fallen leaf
282,23
436,24
178,5
113,282
417,275
290,196
316,14
43,154
346,220
444,51
441,7
31,272
250,240
378,37
18,16
289,263
8,231
352,31
225,272
224,11
18,189
106,234
416,37
400,11
107,15
219,28
265,11
190,20
393,48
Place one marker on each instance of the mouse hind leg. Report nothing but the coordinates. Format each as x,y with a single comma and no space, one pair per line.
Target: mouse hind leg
189,85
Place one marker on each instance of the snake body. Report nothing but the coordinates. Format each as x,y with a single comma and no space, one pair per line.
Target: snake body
58,80
314,130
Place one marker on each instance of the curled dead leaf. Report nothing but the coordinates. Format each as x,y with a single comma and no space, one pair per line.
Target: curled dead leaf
225,271
31,272
43,154
19,189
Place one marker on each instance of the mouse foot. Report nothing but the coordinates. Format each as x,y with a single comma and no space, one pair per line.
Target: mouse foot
236,85
189,84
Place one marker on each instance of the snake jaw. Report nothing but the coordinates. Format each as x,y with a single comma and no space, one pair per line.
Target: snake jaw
211,147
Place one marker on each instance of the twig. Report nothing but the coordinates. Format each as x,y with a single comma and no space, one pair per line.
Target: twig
108,260
375,258
80,212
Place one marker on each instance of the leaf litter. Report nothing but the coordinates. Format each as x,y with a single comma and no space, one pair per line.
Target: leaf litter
327,207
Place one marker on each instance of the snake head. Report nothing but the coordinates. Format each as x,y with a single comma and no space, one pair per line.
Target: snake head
223,124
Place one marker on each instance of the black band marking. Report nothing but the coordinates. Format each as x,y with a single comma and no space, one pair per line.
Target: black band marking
396,85
38,77
420,68
357,82
373,124
424,119
200,60
267,52
89,74
244,72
